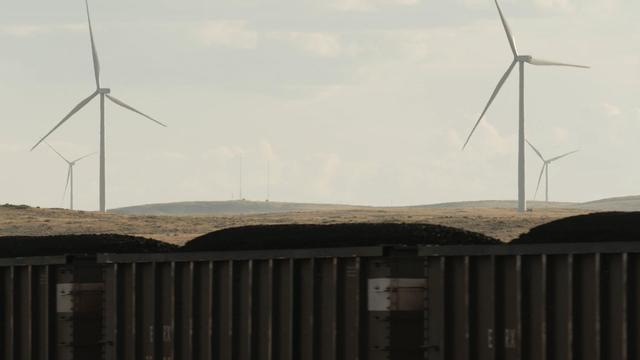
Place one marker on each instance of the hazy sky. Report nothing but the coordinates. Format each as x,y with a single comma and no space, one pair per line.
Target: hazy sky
352,101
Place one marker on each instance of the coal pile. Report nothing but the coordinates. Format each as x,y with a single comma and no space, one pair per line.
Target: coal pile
598,227
25,246
272,237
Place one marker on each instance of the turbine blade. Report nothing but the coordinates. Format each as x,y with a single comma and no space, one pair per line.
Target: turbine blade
56,151
541,62
493,96
536,150
562,156
66,186
94,51
84,157
121,103
544,166
507,30
82,104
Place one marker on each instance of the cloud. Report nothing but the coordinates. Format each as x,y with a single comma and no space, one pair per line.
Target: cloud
369,5
412,44
561,135
555,4
27,30
599,7
315,43
78,27
267,150
9,148
327,171
537,8
223,153
240,35
454,139
610,110
174,155
23,30
228,33
490,139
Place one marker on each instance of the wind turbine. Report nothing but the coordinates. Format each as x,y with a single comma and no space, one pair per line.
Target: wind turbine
520,60
240,178
545,169
69,183
104,93
268,180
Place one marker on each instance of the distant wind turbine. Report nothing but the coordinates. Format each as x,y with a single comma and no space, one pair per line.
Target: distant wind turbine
521,60
69,182
268,180
545,169
103,92
240,179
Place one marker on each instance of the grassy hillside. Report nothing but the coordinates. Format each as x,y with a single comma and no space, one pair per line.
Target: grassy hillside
504,224
626,203
225,208
179,222
196,208
499,204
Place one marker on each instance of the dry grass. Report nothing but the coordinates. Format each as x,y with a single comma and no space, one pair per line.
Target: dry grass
503,224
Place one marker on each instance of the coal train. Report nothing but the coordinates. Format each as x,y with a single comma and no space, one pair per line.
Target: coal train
401,293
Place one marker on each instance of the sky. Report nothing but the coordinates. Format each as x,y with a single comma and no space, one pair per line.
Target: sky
344,101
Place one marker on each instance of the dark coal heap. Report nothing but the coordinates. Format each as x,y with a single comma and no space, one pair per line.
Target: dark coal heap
271,237
25,246
598,227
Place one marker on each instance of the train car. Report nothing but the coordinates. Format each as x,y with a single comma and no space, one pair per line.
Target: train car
324,304
540,301
49,308
525,301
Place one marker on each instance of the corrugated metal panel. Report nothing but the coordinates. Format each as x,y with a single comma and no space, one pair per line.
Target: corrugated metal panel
577,301
612,247
575,305
47,310
244,255
265,308
25,312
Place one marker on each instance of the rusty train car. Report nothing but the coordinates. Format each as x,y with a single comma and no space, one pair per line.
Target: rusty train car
48,308
547,301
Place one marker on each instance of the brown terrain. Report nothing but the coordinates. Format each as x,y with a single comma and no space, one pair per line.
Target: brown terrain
504,224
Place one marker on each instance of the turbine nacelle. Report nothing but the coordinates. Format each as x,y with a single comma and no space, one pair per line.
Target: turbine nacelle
524,58
104,91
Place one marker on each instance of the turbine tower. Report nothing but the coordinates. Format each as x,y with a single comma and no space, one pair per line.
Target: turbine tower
69,183
268,180
104,93
240,179
520,60
545,169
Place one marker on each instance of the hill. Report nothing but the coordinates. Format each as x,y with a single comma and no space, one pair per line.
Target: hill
504,224
625,203
244,207
181,222
239,207
498,204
